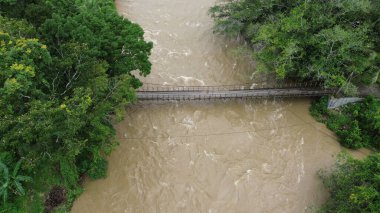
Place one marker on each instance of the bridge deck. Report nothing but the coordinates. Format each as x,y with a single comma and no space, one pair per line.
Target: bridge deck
223,94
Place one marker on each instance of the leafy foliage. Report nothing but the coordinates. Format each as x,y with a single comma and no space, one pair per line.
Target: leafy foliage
17,28
319,108
98,169
333,41
354,185
357,125
65,68
11,183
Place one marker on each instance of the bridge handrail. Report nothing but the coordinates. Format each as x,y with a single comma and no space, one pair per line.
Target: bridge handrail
253,86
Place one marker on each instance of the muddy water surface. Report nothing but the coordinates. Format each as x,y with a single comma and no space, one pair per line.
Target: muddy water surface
224,156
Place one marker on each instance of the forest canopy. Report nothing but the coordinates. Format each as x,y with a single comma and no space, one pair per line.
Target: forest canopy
65,70
334,41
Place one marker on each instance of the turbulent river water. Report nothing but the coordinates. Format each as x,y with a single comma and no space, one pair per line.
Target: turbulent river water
222,156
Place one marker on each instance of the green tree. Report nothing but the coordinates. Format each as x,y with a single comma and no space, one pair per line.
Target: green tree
66,70
108,37
17,28
331,41
354,185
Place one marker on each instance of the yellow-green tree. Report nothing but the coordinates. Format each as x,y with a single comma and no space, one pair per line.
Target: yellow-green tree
65,68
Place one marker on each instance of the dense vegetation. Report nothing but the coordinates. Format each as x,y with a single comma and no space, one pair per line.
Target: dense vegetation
357,125
333,41
65,73
354,185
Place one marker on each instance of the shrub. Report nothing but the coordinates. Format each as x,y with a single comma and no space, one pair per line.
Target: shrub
354,185
357,125
98,169
318,108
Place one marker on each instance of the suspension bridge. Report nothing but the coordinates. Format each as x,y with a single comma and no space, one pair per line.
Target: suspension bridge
261,90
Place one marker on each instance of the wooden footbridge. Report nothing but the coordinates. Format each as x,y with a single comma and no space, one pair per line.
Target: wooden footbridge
262,90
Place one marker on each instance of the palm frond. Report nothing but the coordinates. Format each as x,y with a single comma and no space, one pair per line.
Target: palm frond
23,178
17,167
4,170
19,188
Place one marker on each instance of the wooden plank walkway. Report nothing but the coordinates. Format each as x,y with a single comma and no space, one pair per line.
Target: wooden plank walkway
199,94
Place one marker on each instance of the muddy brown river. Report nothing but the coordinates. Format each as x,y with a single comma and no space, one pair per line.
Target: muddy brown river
215,156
